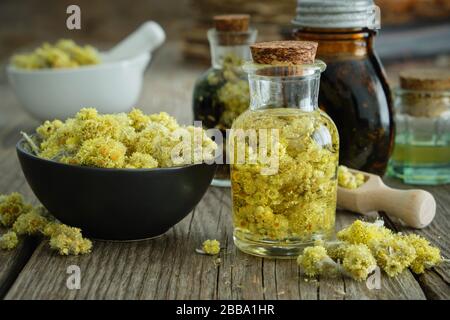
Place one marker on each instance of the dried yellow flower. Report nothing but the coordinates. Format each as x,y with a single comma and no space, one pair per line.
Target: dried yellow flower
234,96
11,207
36,221
63,54
9,241
102,153
315,261
393,254
426,257
122,140
358,261
48,128
141,161
353,260
211,247
365,245
361,232
348,180
31,223
67,240
139,121
26,220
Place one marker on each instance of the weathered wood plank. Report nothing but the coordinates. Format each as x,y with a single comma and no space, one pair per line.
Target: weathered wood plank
12,262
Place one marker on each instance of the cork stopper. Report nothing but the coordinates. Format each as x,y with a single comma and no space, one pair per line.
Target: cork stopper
232,22
430,79
424,96
290,53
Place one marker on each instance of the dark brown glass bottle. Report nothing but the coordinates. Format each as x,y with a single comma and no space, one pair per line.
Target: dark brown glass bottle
355,93
353,88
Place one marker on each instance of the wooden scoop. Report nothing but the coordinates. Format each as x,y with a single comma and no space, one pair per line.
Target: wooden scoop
415,208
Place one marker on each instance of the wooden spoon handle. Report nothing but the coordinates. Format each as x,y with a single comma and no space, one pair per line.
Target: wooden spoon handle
416,208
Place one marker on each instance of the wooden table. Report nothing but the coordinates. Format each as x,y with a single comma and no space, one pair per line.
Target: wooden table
169,267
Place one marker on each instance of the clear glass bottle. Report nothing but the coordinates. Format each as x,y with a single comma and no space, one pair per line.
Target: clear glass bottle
353,91
422,113
278,209
221,93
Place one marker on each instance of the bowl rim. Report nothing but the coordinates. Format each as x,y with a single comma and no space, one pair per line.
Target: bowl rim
11,69
21,150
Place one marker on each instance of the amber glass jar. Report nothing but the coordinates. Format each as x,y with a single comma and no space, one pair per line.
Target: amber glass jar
353,89
281,206
221,93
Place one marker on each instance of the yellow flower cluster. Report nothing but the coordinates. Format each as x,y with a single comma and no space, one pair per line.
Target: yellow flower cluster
27,220
211,247
298,202
233,96
356,261
349,180
315,261
66,240
63,54
365,245
426,257
364,232
133,141
394,252
30,223
11,207
9,241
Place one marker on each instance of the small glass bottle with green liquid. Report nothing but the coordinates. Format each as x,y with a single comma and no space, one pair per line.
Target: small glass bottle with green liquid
422,142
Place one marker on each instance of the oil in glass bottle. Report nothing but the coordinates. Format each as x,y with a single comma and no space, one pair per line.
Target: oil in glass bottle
284,153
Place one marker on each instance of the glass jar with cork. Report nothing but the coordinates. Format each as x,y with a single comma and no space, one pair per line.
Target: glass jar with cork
353,90
284,153
221,93
422,113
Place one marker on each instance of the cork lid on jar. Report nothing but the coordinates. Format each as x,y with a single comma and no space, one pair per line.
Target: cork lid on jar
427,79
284,52
232,29
424,92
232,22
285,58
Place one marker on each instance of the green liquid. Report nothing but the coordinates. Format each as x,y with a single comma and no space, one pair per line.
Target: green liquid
421,162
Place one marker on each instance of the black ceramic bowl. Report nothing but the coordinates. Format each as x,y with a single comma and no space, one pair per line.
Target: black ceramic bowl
116,204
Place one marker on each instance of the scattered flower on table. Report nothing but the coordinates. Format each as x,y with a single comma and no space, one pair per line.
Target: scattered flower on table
9,240
363,246
211,247
26,220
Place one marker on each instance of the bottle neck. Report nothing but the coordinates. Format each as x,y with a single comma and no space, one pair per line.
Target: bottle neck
270,91
334,42
230,47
